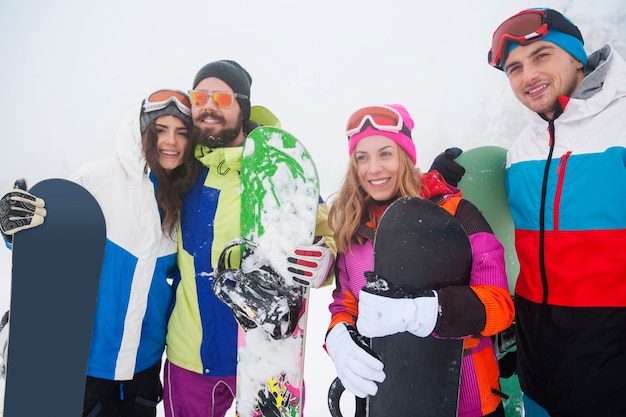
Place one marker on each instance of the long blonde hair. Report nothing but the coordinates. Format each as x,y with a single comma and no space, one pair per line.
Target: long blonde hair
348,207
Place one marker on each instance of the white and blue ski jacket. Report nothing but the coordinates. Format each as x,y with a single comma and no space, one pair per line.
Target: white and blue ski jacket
134,295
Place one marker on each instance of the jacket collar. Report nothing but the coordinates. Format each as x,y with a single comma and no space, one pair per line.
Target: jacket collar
220,158
595,73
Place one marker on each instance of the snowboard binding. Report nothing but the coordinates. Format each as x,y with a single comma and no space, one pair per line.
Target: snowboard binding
258,298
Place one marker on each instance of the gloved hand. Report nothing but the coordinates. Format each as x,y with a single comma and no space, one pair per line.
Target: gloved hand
382,316
20,210
358,367
313,264
4,342
446,165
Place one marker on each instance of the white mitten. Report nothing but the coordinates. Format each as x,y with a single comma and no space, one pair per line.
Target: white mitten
358,367
312,264
381,316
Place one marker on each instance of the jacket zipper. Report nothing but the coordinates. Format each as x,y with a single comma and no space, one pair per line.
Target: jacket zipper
542,214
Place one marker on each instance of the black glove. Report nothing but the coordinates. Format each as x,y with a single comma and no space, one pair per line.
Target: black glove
20,210
446,165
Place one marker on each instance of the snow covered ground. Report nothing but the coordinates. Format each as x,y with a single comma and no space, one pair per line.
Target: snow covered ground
72,68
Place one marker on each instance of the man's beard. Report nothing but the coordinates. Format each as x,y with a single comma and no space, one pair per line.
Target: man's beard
207,138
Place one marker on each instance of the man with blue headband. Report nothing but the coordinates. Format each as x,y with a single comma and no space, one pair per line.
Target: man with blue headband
565,177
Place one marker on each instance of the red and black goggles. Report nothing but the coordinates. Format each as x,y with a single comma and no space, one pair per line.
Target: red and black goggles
162,98
526,27
379,117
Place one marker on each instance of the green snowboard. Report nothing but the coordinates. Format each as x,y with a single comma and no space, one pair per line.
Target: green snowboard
483,185
279,201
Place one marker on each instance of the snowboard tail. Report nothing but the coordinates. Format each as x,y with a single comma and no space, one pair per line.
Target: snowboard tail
56,273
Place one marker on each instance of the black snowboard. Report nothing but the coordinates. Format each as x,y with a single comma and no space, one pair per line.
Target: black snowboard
418,246
54,286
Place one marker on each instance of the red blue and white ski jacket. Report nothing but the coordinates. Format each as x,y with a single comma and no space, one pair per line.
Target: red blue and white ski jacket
134,295
566,185
473,312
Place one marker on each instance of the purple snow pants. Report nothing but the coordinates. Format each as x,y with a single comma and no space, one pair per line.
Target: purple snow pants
186,393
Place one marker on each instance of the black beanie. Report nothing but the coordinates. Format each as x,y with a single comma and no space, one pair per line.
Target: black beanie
232,74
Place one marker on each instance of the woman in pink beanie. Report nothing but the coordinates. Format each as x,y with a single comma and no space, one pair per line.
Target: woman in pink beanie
381,170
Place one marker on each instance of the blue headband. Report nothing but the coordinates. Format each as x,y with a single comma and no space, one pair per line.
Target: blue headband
568,43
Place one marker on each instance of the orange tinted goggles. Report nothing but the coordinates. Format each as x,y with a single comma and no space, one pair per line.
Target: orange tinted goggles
162,98
222,99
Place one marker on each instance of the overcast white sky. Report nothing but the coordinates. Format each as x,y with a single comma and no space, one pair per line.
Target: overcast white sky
71,69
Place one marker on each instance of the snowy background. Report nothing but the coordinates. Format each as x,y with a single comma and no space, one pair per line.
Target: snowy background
71,69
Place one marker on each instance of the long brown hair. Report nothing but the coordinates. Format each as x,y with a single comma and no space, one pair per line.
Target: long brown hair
348,207
171,186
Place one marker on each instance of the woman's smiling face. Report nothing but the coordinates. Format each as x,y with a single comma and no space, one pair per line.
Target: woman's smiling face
378,165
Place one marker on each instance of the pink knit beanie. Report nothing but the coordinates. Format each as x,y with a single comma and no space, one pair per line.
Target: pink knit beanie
401,138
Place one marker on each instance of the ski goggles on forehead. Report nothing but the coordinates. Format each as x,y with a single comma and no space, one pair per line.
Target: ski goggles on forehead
162,98
223,99
526,27
382,118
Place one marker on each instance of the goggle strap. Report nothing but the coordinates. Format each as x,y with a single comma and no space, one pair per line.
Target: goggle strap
380,117
381,128
150,106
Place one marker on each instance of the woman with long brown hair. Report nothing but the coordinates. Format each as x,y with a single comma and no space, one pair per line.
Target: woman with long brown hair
140,192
